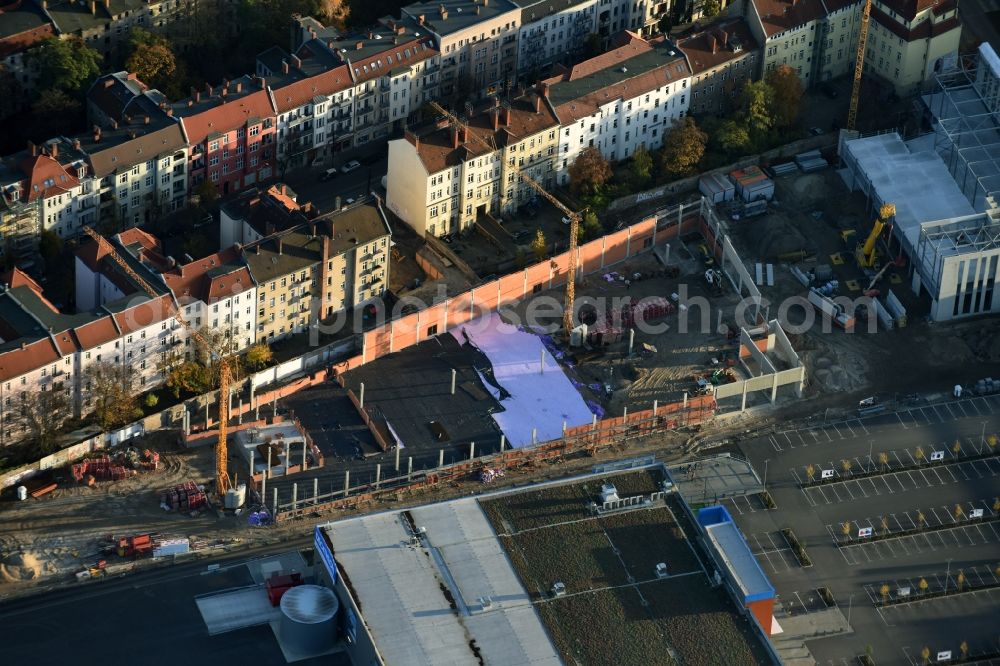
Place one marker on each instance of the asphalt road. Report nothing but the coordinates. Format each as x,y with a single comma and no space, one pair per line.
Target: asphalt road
816,515
309,185
148,618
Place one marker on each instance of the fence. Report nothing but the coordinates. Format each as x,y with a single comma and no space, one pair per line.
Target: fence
586,438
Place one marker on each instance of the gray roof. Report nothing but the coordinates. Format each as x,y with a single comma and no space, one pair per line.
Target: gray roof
27,16
399,589
661,54
379,38
462,14
357,224
131,144
298,251
536,10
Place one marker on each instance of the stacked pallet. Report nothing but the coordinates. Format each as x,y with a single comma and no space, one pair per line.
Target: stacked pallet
610,330
184,497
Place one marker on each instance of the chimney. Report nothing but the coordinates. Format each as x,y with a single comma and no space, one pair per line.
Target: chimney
284,67
208,88
97,134
495,118
725,37
108,82
505,116
223,91
296,62
145,120
114,124
538,103
93,8
239,87
400,29
107,5
76,144
261,82
463,134
454,136
359,46
190,103
543,89
371,35
32,148
170,112
54,150
421,19
486,3
412,138
477,9
444,13
197,95
712,43
280,246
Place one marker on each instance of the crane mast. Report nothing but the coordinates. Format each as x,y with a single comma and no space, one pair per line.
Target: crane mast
859,65
574,220
222,481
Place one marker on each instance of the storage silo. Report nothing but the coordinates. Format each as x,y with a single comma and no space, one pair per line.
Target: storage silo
308,618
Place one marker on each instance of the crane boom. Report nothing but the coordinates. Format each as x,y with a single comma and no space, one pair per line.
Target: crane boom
574,219
859,65
222,482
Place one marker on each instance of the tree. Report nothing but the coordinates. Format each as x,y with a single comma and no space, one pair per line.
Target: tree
42,413
334,13
588,171
666,23
642,165
258,356
958,512
846,465
197,245
925,654
964,649
733,137
756,108
111,388
884,591
922,585
845,528
786,95
883,459
49,246
919,455
921,519
151,400
539,246
592,46
683,148
956,448
68,65
591,225
885,525
207,192
190,377
710,8
960,580
151,59
11,93
991,442
55,112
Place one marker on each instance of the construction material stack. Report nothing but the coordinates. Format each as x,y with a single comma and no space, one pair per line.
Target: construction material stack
609,331
184,497
135,546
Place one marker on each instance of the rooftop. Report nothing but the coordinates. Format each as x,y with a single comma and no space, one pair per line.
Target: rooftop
209,279
223,108
281,254
22,24
450,16
111,93
622,73
425,604
109,150
536,10
717,43
781,15
733,548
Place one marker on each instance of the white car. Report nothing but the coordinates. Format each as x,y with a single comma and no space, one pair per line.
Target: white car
350,166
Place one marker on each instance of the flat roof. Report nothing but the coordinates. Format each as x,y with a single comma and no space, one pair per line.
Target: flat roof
401,588
462,14
735,552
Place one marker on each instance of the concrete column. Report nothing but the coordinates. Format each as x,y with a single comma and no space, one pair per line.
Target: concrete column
241,410
315,490
541,362
274,404
593,423
655,405
295,496
397,457
503,442
685,399
252,452
631,340
440,457
472,450
256,412
625,415
361,397
454,375
206,415
409,468
774,387
743,401
534,435
378,474
274,504
305,455
347,482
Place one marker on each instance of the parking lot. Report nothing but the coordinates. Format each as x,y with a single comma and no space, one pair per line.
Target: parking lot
891,495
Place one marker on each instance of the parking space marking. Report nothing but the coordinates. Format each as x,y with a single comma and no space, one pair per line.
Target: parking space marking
902,422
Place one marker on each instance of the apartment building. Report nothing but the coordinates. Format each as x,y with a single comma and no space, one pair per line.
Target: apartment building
286,267
723,56
620,100
444,179
23,25
477,40
338,92
555,32
908,40
230,133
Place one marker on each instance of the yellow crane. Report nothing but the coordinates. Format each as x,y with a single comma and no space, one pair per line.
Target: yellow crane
574,219
222,481
866,254
859,65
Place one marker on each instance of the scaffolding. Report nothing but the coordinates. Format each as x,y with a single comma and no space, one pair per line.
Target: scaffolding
965,107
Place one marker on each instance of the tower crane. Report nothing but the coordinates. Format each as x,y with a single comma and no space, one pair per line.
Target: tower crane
859,65
574,219
222,481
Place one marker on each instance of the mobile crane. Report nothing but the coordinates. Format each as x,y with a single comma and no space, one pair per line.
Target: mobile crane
222,480
866,254
574,218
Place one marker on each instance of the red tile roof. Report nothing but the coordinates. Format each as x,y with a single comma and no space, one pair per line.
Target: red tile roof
299,93
909,9
97,332
710,47
384,62
210,279
18,278
926,29
781,15
28,358
46,177
145,314
226,116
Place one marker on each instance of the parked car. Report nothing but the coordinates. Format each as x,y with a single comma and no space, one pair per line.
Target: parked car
350,166
329,174
815,131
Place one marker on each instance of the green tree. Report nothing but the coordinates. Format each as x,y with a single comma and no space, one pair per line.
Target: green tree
11,93
55,112
207,192
112,393
151,58
592,46
641,166
786,98
258,356
588,171
756,107
666,23
68,65
50,247
710,8
733,137
190,377
151,400
683,148
591,225
539,246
